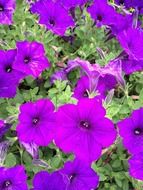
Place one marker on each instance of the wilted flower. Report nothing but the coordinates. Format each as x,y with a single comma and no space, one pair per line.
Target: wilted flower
30,58
32,149
36,122
4,127
4,145
13,178
7,8
86,130
59,75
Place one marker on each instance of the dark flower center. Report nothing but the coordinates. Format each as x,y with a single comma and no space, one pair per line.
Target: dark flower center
72,177
27,59
84,124
99,18
35,120
121,2
52,22
1,8
137,131
8,69
85,94
6,185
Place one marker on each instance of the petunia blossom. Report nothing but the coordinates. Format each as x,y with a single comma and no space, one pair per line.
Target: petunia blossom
36,122
136,165
78,175
86,130
10,77
13,178
7,8
44,180
102,13
72,3
53,15
30,58
131,41
131,131
105,84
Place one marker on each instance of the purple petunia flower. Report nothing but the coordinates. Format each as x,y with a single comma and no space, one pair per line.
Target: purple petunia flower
30,58
36,122
102,13
123,22
105,84
136,165
74,175
53,16
72,3
131,41
131,3
131,130
92,71
131,66
86,130
82,88
79,176
10,77
7,8
98,77
13,178
44,180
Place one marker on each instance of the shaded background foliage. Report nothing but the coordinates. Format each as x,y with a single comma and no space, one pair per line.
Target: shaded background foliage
84,41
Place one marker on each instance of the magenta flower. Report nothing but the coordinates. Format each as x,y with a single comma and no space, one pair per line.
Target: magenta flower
31,59
36,122
44,180
131,131
82,88
75,175
7,8
10,77
131,66
53,16
136,165
102,13
72,3
105,84
79,176
131,41
86,130
13,178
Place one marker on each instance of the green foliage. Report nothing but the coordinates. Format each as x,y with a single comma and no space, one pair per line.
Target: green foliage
112,166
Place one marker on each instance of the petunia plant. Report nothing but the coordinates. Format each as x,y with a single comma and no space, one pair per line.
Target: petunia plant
71,95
